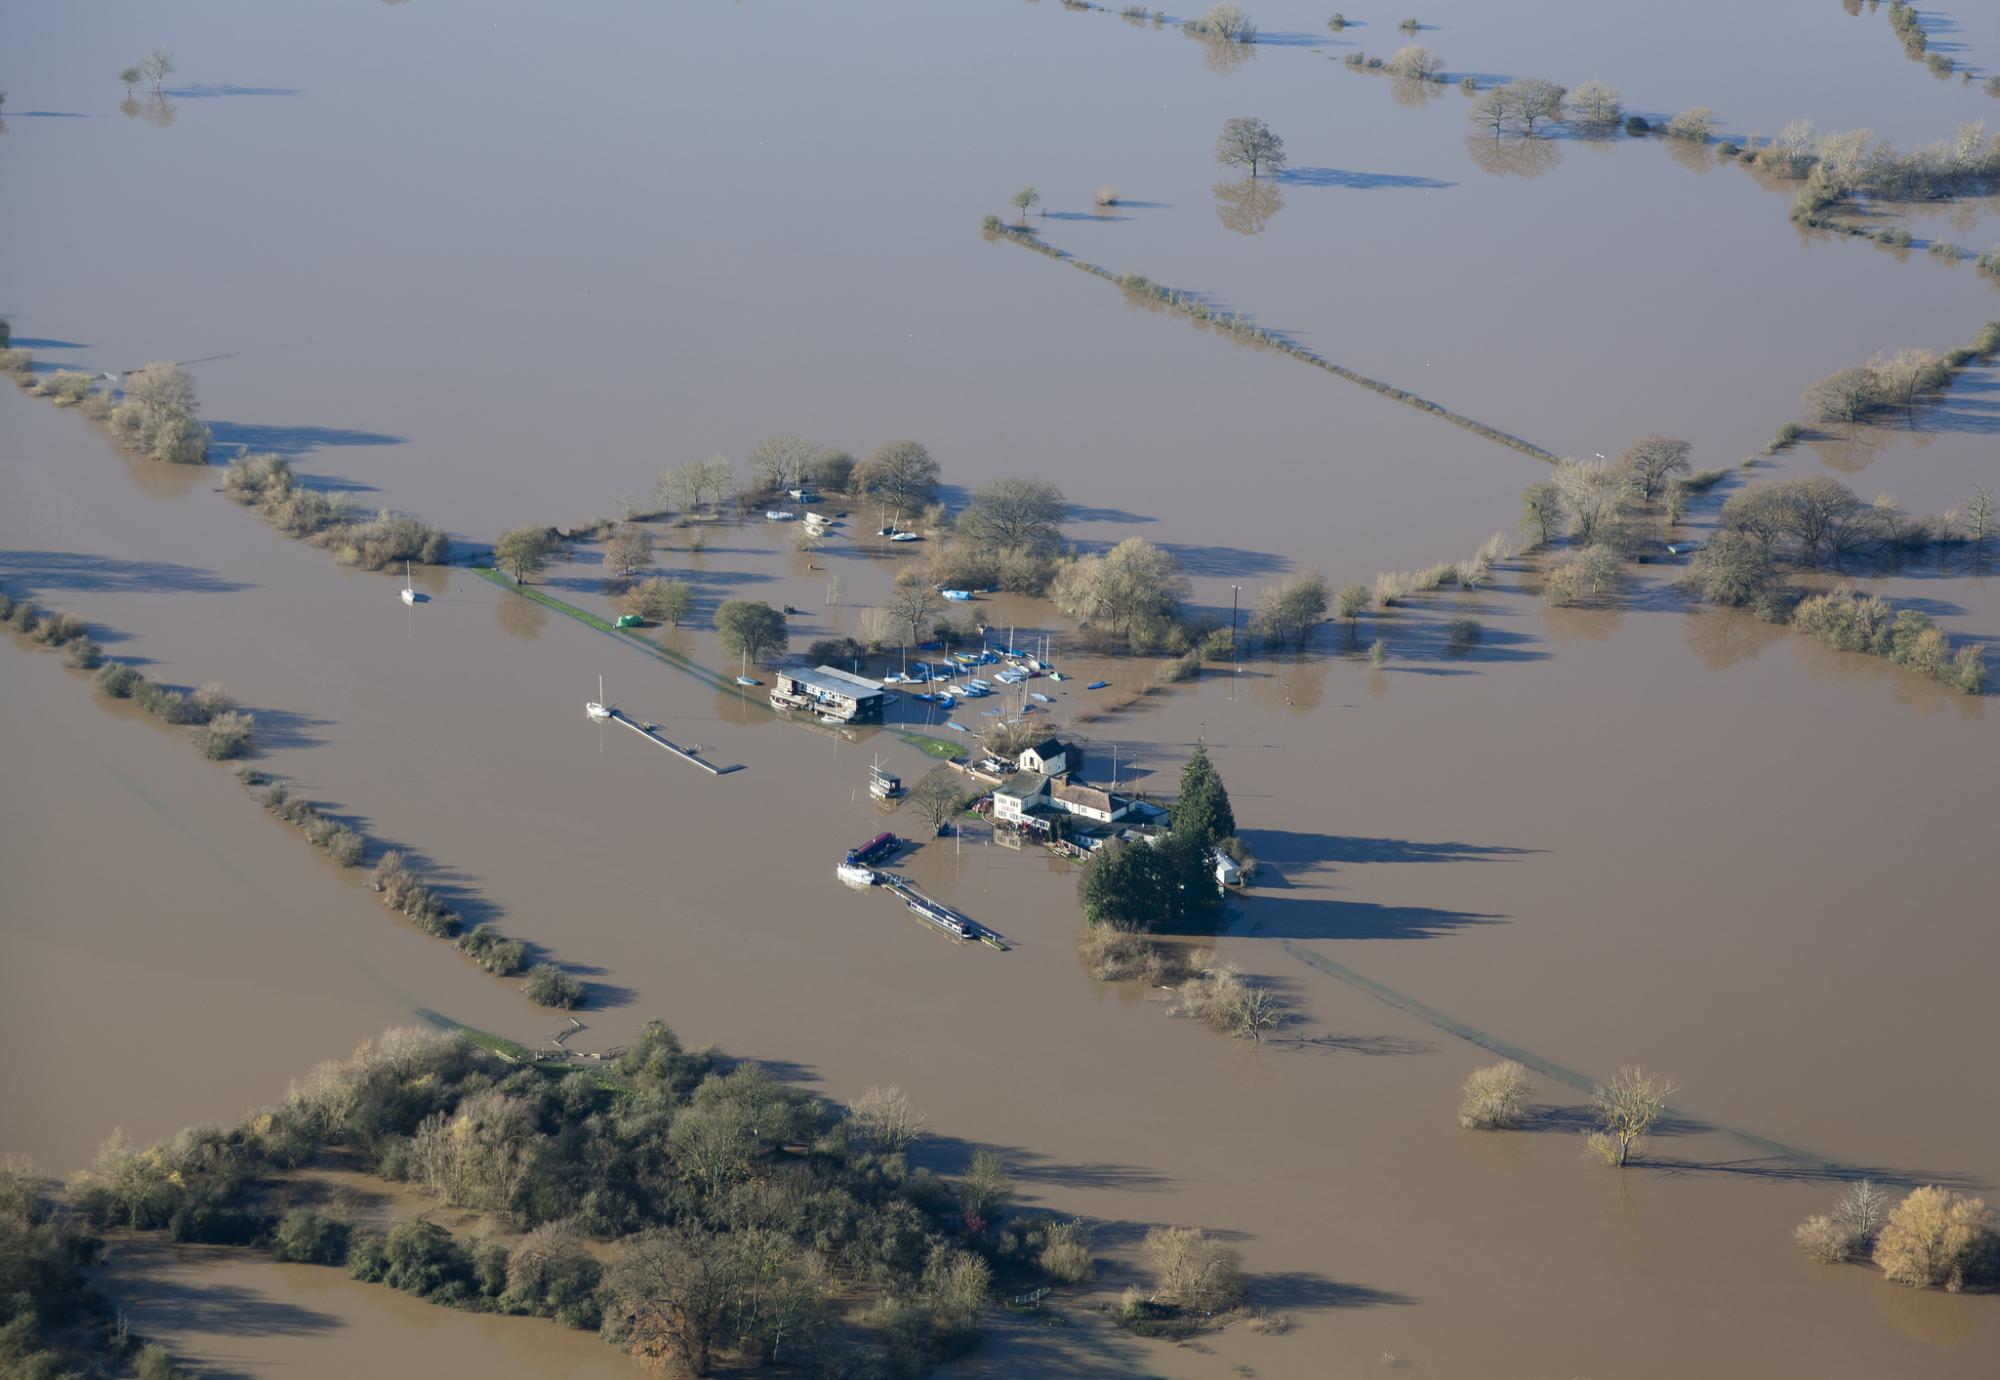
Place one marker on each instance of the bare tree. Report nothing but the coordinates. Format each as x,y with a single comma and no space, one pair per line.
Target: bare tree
1978,517
1535,102
1493,110
1905,377
1288,614
780,463
1595,105
669,1295
986,1186
886,1119
937,797
1627,1107
1654,460
1227,21
630,549
1194,1270
1494,1098
1134,582
1015,515
912,606
1247,142
159,65
1541,512
1861,1212
1415,61
1594,496
1848,395
900,474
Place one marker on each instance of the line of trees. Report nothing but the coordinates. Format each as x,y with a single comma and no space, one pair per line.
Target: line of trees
699,1215
1770,530
266,484
217,728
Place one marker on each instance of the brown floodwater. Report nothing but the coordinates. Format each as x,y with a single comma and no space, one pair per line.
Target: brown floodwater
237,1314
1645,834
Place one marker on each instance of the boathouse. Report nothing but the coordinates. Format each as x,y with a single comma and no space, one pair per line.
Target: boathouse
831,693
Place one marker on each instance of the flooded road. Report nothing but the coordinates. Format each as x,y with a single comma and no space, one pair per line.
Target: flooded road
1645,834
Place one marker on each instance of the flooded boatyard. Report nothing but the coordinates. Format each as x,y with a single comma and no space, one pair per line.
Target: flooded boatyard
1649,832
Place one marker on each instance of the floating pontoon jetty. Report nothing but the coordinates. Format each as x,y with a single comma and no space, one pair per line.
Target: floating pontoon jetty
652,735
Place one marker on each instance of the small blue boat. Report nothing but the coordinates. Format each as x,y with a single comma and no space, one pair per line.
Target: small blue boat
955,726
925,695
1097,685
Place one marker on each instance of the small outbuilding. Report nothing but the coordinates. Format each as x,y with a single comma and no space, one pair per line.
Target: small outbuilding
1049,757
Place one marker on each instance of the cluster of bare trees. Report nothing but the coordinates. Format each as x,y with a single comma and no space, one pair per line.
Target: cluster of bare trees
1840,164
1903,380
695,485
1135,589
1626,1107
1934,1238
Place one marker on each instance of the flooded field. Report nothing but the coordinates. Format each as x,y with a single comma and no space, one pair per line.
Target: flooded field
484,266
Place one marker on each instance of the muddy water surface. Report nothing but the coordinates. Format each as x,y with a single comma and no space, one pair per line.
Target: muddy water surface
1642,834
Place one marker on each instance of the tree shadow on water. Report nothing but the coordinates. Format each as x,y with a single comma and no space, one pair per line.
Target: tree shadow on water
1358,181
1283,854
293,441
34,572
1280,917
1286,1289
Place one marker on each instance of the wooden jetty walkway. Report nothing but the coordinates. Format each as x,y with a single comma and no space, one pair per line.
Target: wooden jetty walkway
653,735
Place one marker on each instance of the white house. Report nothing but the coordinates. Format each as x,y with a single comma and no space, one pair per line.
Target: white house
1049,757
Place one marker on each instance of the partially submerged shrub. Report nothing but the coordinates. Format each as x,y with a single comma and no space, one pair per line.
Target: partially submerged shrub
118,680
1066,1256
1225,1001
1494,1098
226,735
1193,1270
1820,1238
1582,577
494,952
549,985
1462,634
1696,123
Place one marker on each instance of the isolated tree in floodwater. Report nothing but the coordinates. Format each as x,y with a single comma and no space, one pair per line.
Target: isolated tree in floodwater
159,65
1627,1108
523,552
1247,142
1024,199
751,629
130,76
1015,515
937,798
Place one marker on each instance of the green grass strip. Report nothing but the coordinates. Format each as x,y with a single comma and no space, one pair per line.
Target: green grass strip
935,747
